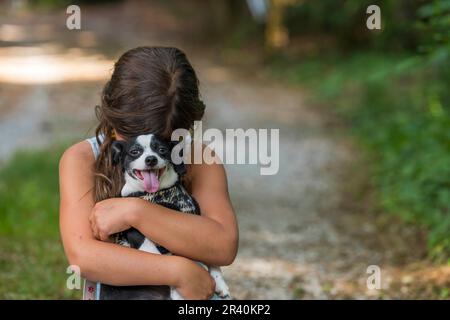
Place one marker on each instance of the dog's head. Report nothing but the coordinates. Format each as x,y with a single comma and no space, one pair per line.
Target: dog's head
146,161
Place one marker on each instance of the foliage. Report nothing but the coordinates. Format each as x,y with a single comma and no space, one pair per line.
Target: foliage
398,103
346,21
51,4
32,261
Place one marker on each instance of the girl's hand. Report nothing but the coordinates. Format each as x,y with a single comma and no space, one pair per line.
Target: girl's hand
111,216
193,281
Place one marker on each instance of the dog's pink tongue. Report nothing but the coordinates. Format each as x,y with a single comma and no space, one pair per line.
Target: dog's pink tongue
151,182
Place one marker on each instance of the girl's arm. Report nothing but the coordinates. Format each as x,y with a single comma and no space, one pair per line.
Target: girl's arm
211,238
107,262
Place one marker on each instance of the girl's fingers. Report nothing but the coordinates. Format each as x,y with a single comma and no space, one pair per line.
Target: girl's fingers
94,230
93,226
103,236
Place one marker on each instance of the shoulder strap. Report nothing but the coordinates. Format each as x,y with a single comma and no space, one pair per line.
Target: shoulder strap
91,289
94,145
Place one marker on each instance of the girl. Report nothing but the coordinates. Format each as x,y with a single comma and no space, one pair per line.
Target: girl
152,90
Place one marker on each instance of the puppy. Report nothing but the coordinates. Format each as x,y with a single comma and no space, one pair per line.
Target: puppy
149,173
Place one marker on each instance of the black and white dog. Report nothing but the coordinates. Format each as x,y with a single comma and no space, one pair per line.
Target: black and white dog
150,174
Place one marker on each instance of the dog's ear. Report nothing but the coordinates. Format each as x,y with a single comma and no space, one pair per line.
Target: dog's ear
173,144
117,151
180,169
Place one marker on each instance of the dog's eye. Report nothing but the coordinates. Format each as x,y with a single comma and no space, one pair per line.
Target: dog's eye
162,150
135,152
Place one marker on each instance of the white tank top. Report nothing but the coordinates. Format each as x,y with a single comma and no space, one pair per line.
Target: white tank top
94,145
91,290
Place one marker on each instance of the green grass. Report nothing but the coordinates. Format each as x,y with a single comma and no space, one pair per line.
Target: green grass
32,260
398,108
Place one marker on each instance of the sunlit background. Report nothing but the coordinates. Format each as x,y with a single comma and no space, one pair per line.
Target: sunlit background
364,135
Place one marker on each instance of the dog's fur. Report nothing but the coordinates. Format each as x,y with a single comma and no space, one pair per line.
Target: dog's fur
145,159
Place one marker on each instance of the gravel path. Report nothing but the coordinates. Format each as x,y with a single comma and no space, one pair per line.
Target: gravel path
294,242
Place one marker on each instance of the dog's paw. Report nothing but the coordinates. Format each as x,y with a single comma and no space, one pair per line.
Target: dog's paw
174,295
222,289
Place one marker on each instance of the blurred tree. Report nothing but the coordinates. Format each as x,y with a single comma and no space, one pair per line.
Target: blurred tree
346,22
277,35
223,16
60,3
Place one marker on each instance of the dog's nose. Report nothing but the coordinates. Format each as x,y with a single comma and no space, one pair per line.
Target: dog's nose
151,161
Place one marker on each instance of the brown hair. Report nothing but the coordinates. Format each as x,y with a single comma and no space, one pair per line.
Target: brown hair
152,90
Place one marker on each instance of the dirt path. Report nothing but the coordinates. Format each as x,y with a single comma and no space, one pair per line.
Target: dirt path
307,232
